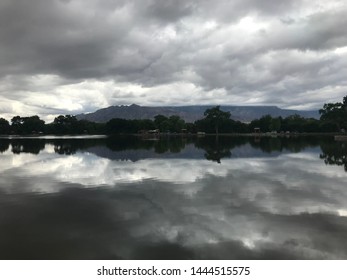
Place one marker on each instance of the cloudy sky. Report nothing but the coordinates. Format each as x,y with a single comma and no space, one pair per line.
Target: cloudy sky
73,56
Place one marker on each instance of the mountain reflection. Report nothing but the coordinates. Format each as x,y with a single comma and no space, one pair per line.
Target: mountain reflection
159,145
211,148
133,198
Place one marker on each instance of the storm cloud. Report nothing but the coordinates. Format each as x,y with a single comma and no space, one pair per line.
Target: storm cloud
72,56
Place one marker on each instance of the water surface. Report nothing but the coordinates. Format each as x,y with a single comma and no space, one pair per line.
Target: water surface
173,198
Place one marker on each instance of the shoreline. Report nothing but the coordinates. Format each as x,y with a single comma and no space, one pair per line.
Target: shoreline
337,136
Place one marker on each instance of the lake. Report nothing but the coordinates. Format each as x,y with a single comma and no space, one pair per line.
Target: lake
173,198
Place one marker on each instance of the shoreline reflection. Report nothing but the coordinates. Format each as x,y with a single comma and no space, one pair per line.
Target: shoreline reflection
171,199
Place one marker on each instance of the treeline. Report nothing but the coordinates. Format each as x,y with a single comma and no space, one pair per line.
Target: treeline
61,125
70,125
214,148
333,119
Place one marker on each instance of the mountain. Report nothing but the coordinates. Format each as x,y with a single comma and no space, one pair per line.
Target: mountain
190,113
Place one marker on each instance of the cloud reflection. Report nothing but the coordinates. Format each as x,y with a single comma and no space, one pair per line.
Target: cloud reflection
291,206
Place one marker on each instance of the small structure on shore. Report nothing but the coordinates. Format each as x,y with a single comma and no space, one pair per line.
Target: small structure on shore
152,131
256,130
341,137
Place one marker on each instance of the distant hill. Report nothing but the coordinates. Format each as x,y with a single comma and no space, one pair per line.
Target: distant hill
190,113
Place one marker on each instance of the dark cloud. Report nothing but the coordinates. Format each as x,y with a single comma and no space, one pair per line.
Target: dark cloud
254,52
166,11
47,37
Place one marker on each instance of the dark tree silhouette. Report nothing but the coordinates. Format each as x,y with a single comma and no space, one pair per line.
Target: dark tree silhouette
4,126
335,113
216,116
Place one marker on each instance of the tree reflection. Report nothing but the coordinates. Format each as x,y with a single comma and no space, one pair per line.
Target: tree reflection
32,146
280,144
217,152
64,149
334,153
123,143
217,148
159,145
4,145
71,146
212,148
172,145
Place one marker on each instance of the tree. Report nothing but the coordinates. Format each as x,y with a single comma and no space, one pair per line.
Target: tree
275,124
176,123
216,116
294,123
335,113
33,124
162,123
263,123
65,124
173,123
16,124
4,126
67,119
117,126
27,125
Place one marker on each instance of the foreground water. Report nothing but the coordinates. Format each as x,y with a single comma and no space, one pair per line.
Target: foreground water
173,198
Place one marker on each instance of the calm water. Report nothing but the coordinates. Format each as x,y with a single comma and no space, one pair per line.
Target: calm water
174,198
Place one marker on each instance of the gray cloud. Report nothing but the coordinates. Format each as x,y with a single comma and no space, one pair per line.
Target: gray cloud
236,52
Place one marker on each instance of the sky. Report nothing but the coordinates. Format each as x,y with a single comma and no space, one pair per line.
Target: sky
73,56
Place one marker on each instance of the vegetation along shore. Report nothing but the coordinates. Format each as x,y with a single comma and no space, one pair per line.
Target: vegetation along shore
333,119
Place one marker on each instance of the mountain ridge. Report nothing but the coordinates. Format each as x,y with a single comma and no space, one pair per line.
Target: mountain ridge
190,113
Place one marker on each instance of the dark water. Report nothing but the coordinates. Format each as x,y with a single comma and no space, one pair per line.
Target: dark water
174,198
